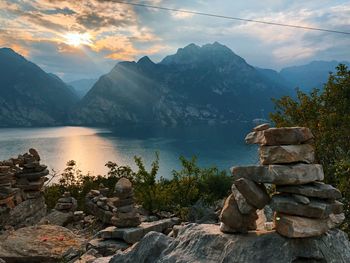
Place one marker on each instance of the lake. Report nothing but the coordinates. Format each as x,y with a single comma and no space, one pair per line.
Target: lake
91,148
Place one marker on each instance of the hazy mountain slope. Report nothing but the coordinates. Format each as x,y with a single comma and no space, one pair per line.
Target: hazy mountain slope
197,84
28,95
82,86
311,75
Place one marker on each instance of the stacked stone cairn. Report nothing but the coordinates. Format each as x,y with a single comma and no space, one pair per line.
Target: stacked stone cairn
9,195
118,210
125,214
21,181
32,175
304,206
66,203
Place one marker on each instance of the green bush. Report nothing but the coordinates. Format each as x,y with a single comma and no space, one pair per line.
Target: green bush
175,195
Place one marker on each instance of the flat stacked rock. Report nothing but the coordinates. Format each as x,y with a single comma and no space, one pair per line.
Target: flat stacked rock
304,206
125,214
32,175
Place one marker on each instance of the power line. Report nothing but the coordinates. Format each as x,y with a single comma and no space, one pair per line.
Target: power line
230,17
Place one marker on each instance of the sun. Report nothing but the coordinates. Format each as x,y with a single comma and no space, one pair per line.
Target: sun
78,39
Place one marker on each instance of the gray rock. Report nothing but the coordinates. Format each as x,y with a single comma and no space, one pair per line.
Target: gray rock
205,243
315,209
106,247
147,251
242,203
58,218
232,219
283,154
300,227
123,188
301,199
133,234
315,189
280,174
280,136
262,127
255,194
27,213
202,213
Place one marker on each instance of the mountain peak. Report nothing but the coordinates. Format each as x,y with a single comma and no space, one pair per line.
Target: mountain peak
211,53
145,61
10,53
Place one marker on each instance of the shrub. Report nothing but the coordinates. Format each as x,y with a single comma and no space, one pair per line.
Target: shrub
175,195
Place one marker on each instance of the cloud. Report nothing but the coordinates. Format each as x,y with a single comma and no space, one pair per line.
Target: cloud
36,29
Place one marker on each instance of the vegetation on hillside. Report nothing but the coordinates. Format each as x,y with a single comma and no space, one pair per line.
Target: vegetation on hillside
176,195
327,113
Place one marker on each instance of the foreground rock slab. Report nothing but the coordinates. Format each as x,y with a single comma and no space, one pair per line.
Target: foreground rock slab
280,136
205,243
45,243
280,174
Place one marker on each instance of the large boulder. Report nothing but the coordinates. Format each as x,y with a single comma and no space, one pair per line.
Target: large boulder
206,244
295,174
45,243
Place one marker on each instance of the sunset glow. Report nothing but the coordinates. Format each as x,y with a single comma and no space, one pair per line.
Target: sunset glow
77,39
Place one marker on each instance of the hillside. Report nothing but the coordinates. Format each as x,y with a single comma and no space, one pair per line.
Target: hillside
28,95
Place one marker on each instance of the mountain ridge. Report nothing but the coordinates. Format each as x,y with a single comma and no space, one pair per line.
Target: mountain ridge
196,84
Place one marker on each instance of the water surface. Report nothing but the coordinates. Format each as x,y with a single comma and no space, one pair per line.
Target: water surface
91,148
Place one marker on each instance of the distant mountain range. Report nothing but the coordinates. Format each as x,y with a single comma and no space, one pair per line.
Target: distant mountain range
29,96
309,76
198,84
209,84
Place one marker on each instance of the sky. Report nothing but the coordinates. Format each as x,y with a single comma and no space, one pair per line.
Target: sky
86,38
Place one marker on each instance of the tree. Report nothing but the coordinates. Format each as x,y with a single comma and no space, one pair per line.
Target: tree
327,113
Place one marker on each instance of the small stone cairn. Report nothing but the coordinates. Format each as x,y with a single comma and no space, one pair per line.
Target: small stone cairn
66,203
118,210
304,206
124,214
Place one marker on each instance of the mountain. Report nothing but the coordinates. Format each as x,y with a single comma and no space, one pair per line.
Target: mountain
309,76
82,86
208,84
28,95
